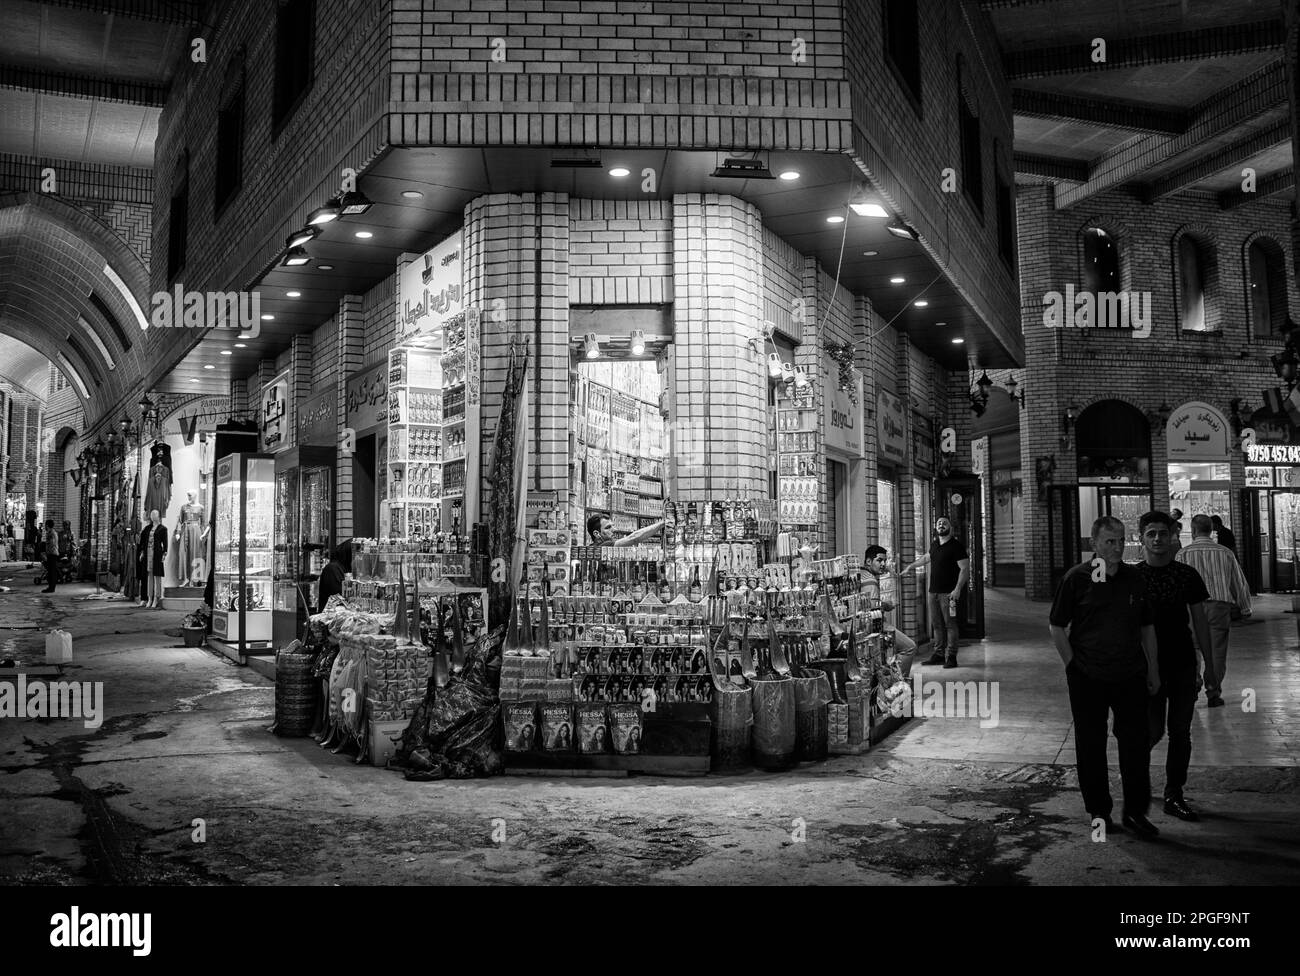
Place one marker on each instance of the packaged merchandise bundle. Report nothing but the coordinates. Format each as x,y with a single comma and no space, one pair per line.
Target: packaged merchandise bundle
590,728
838,724
528,677
398,676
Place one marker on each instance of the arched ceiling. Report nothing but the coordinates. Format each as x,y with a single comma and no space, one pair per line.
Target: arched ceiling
24,366
52,257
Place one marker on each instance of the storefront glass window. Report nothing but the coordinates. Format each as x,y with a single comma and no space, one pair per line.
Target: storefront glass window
1200,489
922,519
887,516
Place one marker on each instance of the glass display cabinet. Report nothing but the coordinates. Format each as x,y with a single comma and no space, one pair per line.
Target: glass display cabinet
304,535
242,554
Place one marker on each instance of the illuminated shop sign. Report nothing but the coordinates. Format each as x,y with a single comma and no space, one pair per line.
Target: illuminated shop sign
1273,454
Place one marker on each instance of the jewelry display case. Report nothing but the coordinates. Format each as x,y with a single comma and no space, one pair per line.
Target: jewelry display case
243,554
304,535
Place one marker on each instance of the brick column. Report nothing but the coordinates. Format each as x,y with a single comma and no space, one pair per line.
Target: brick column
350,356
718,398
300,367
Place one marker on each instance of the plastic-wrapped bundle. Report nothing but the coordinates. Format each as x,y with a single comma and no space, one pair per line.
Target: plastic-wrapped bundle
812,693
774,733
732,726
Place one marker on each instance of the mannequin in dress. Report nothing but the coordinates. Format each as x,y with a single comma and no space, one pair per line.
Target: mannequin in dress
158,493
151,560
191,538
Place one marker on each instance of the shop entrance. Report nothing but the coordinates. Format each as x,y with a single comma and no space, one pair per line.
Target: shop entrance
1279,543
961,501
363,489
1118,501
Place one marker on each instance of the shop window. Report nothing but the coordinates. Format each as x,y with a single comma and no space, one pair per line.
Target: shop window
903,45
295,49
972,165
1100,261
178,219
1266,297
230,146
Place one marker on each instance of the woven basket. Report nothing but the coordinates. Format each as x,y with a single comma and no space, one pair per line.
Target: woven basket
296,690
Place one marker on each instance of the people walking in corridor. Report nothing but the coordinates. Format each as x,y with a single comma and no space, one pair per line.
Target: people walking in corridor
1222,575
949,564
1174,590
51,557
1102,627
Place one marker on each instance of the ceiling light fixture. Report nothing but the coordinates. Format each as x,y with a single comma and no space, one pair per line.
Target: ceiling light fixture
734,168
921,303
897,280
355,202
268,317
790,174
835,219
864,208
294,294
208,366
869,254
226,352
365,235
325,267
575,162
638,342
591,345
958,341
302,237
900,229
413,194
241,345
619,171
296,257
323,215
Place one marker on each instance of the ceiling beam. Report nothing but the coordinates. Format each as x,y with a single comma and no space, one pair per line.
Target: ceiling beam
1109,115
1135,52
1000,4
1274,183
1074,170
1260,94
83,86
166,11
1228,157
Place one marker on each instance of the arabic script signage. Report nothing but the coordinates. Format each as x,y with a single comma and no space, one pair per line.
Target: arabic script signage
368,397
1197,432
891,428
429,289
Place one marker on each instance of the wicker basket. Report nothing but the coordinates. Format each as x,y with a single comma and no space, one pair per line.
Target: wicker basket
296,690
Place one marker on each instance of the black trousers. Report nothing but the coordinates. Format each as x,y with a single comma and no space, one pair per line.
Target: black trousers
1091,702
51,571
1174,707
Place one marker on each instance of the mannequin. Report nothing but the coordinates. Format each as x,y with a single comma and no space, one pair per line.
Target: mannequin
151,560
158,494
191,538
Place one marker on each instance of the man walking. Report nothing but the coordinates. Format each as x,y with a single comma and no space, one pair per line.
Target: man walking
51,556
1222,575
1223,534
1101,625
1173,589
949,564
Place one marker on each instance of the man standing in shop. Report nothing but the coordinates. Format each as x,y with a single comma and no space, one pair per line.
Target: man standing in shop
949,564
51,556
1102,626
1229,591
601,529
877,566
1174,588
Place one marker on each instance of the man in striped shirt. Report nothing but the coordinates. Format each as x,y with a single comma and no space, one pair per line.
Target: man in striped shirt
1228,588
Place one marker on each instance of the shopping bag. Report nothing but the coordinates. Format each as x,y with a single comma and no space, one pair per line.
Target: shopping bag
58,647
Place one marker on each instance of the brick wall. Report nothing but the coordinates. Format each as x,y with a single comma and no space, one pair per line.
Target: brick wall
620,252
1083,366
674,73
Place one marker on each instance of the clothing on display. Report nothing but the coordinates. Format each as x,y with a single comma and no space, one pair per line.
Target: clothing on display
131,580
190,544
153,549
159,493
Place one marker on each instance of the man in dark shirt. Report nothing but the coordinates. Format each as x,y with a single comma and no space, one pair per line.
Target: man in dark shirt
1173,589
1224,534
1101,625
949,564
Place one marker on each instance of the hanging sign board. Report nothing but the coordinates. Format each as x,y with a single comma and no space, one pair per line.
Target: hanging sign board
1259,477
275,414
430,289
979,455
843,420
317,420
891,429
1197,432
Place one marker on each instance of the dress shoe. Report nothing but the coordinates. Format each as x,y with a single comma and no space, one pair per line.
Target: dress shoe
935,658
1215,702
47,590
950,661
1179,808
1140,825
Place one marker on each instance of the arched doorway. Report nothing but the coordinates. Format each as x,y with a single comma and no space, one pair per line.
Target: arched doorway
1113,441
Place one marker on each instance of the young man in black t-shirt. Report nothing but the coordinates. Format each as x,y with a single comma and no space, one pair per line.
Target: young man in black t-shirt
1102,626
949,564
1174,589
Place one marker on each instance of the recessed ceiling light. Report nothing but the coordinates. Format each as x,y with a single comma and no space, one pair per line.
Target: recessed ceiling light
268,317
790,174
194,379
958,341
325,267
241,345
834,219
921,303
413,194
208,366
294,294
226,352
619,171
869,254
897,280
364,234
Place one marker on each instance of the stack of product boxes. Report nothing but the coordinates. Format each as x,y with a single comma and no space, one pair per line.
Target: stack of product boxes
398,675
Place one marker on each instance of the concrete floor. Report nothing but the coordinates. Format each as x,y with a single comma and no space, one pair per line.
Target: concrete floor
942,801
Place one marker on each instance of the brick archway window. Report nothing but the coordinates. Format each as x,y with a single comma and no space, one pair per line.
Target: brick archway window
1266,294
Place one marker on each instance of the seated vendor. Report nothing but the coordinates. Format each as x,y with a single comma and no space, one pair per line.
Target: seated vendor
601,529
878,573
331,577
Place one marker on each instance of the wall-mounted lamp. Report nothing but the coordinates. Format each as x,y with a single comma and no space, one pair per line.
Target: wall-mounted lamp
979,397
1158,417
1011,386
1068,417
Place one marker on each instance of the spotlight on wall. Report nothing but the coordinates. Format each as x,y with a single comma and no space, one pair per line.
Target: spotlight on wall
301,237
900,229
353,203
296,257
864,207
591,345
638,342
323,215
743,169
